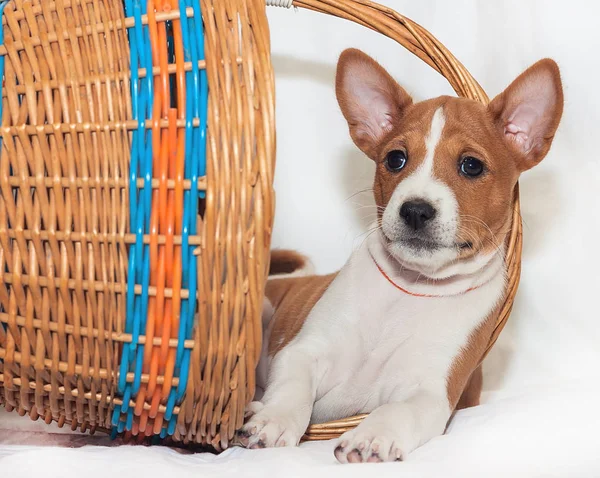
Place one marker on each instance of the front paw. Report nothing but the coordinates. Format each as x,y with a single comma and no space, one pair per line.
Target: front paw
267,428
252,409
367,444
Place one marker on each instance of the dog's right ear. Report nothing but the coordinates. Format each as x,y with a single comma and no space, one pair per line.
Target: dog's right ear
528,112
370,99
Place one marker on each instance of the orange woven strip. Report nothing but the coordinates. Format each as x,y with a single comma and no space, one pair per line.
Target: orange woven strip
176,171
166,220
159,45
157,33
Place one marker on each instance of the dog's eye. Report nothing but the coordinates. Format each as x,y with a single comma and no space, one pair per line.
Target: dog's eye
395,160
471,167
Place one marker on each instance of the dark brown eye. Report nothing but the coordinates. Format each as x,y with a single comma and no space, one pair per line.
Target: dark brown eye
471,167
395,160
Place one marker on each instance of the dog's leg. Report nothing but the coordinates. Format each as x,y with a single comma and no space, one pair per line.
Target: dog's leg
393,430
282,416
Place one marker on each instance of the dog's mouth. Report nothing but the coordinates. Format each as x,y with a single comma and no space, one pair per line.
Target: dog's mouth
408,248
420,244
425,254
428,245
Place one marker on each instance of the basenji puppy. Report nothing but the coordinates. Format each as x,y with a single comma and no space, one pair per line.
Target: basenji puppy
399,331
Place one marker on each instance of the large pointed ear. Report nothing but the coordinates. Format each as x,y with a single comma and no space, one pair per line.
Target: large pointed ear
529,110
370,99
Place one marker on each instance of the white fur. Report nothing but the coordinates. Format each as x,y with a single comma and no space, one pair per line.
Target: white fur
369,347
423,185
438,121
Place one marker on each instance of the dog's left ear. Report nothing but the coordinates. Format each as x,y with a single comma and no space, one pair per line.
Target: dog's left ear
370,99
529,110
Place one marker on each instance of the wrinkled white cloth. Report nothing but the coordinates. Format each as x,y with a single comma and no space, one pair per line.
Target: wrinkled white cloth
540,415
544,432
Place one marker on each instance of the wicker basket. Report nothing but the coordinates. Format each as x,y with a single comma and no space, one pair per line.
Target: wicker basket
136,207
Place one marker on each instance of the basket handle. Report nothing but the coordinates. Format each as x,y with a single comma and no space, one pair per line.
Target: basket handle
409,34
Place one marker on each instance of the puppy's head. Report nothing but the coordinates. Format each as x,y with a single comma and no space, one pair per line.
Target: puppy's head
446,167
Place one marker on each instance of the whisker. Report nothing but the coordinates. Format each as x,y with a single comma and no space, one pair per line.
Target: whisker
360,192
363,206
477,220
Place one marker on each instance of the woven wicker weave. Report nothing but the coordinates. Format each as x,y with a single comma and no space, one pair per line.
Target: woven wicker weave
67,128
74,265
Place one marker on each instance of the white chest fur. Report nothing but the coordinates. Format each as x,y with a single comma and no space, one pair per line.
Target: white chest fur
371,342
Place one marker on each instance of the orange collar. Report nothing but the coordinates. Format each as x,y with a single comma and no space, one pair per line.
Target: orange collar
414,294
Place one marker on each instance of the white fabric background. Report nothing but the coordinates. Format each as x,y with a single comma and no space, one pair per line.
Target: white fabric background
540,416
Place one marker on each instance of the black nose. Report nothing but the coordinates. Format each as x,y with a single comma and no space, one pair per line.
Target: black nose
417,213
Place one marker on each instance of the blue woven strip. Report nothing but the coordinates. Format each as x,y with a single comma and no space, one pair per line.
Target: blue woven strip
2,7
203,93
146,193
139,204
197,169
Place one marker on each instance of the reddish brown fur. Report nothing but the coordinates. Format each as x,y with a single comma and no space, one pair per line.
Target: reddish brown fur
472,391
286,262
292,299
465,378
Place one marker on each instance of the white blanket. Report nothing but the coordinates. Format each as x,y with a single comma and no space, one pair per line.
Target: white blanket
541,414
546,432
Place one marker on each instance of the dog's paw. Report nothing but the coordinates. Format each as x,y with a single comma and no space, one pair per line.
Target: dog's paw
252,409
266,430
368,445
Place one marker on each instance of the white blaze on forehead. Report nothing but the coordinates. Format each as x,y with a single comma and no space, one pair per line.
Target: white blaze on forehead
433,138
423,185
